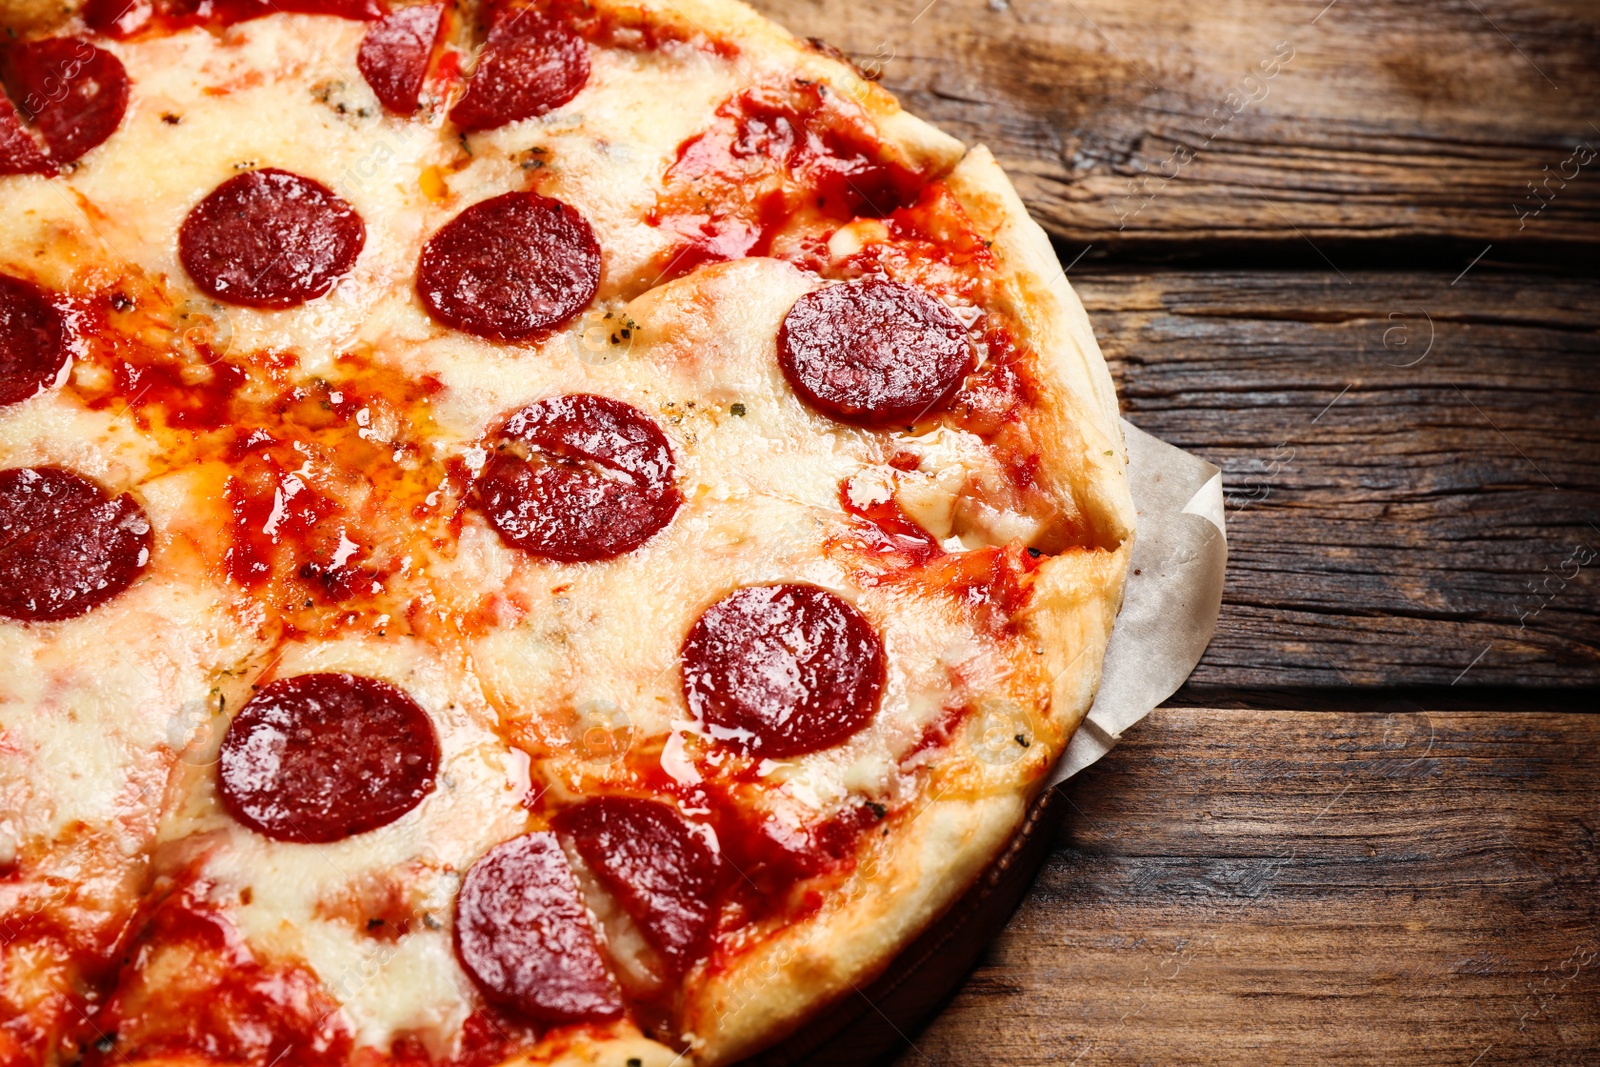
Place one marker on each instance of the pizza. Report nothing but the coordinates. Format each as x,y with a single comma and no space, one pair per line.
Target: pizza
530,532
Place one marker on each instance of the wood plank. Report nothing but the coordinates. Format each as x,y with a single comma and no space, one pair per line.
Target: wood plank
1255,887
1389,524
1131,124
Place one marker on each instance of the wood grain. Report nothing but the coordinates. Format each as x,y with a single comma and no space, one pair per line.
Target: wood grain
1263,888
1388,524
1133,124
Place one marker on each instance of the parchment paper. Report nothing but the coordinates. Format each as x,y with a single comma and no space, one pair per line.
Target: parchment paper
1174,591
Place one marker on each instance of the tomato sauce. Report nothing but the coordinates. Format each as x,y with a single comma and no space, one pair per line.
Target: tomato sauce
162,363
771,866
778,871
887,533
222,1004
62,941
489,1037
200,400
938,733
885,546
932,243
72,961
773,154
330,483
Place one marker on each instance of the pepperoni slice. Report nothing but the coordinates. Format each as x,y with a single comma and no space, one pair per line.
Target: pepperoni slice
33,340
270,239
663,873
75,93
873,352
320,757
530,65
781,670
510,267
19,153
395,52
66,547
523,935
579,478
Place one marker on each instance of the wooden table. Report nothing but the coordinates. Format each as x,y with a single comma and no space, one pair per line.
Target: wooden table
1350,253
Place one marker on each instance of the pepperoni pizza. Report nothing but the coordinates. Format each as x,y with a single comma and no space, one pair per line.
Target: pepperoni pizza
539,531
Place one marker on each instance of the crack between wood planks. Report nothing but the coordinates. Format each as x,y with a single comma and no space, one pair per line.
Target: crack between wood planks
1415,614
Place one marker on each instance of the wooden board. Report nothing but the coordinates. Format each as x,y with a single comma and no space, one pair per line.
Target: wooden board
1413,482
1249,887
1132,125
